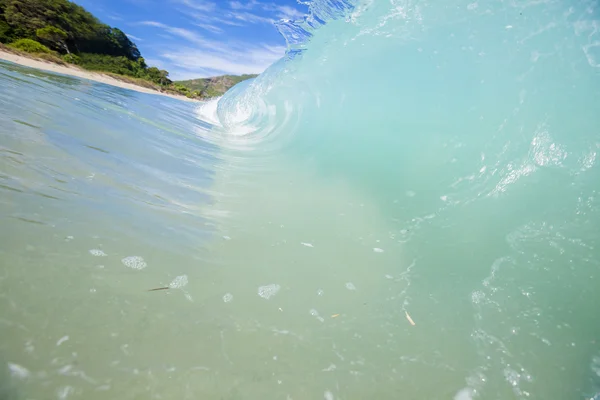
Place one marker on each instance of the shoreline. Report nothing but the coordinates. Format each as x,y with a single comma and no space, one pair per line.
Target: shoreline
82,73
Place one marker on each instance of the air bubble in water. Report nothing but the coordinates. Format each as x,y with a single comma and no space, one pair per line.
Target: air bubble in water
268,290
315,314
477,296
179,282
227,297
18,371
134,262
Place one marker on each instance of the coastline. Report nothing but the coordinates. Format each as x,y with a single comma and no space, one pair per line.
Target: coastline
81,73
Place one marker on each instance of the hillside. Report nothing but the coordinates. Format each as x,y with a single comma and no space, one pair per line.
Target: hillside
64,33
215,86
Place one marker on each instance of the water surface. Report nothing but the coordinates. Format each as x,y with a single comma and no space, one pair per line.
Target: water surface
407,207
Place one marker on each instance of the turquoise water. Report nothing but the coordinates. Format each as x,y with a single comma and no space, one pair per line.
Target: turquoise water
406,207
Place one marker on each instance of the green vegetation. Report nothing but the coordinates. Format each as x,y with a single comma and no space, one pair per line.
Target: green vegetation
64,26
212,87
29,46
54,36
63,32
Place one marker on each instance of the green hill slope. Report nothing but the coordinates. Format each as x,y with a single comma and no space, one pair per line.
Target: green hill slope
215,86
63,32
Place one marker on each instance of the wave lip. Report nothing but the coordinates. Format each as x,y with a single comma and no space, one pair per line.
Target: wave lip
298,32
243,110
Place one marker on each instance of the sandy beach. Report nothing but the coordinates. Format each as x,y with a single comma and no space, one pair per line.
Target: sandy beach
81,73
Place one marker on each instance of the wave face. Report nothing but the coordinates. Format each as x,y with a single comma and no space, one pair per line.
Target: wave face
441,157
406,206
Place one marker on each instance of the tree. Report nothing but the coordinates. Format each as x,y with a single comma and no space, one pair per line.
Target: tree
159,76
6,34
139,67
54,36
123,45
29,46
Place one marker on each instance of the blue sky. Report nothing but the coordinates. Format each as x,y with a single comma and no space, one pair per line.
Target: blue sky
200,38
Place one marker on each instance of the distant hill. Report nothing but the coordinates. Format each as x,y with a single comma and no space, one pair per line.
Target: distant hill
62,32
215,86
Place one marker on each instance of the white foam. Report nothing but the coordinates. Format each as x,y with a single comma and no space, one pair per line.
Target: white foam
29,347
134,262
227,297
65,370
64,392
315,314
207,112
464,394
331,367
97,253
350,286
307,244
62,340
377,250
592,53
267,291
477,296
18,371
179,282
328,395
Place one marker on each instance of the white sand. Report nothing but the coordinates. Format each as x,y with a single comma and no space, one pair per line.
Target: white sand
81,73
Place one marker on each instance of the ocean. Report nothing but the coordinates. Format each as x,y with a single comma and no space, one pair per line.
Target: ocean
405,206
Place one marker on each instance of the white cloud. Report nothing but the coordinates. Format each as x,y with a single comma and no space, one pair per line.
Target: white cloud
250,18
237,12
130,36
214,20
279,11
200,63
153,23
202,57
200,5
155,62
183,33
115,17
209,27
193,53
238,5
287,12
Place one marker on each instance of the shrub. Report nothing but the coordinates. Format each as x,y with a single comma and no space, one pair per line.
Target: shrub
71,58
29,46
106,63
50,57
